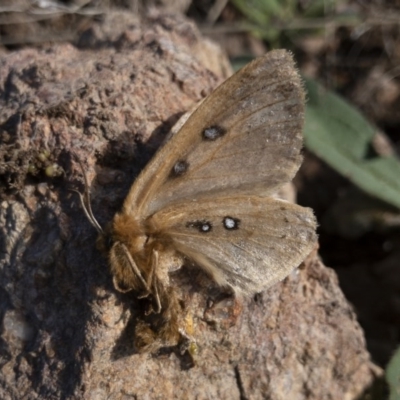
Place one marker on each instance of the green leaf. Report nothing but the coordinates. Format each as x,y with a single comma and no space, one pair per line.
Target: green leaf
341,136
393,376
264,17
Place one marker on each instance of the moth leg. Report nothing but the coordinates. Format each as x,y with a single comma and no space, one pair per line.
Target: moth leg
119,288
154,263
157,297
148,283
151,282
135,269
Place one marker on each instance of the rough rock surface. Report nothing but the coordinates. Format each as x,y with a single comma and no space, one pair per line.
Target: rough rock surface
65,332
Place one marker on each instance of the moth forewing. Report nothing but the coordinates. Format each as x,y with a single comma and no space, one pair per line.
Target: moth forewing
251,123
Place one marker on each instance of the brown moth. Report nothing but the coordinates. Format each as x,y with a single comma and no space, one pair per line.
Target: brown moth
207,196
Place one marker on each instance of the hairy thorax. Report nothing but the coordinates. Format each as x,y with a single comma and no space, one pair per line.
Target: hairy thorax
139,257
129,231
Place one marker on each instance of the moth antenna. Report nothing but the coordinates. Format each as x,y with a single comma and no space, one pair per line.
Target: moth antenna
85,201
88,212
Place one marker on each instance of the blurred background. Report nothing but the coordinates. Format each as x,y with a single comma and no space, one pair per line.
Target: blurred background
348,52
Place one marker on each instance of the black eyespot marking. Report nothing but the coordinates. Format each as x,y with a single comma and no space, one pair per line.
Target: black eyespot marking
201,226
231,223
213,132
180,168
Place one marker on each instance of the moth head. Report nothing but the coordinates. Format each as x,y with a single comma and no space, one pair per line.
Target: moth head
104,241
121,241
126,274
124,243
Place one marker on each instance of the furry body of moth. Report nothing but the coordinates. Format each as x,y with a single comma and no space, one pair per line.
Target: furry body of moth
140,258
207,196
